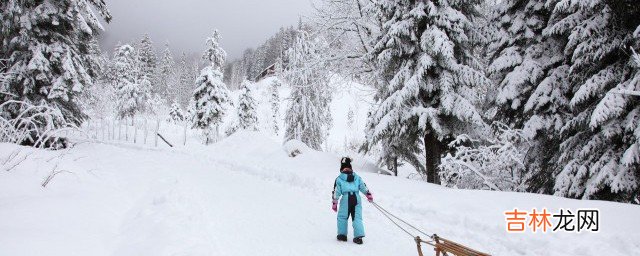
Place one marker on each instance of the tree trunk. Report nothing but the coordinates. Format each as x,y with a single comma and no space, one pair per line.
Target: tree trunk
433,149
395,166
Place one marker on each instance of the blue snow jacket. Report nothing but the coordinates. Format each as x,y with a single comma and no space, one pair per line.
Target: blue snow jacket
345,189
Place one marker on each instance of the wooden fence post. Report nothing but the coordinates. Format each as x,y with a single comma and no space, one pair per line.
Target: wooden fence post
113,129
146,130
135,131
155,134
184,134
102,128
126,131
95,126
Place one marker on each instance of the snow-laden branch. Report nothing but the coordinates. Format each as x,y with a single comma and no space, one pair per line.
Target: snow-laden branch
496,162
35,125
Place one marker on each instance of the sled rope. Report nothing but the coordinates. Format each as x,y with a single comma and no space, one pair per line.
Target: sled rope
389,215
441,246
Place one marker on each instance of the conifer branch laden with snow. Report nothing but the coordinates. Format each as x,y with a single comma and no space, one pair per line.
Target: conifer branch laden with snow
46,48
598,157
530,92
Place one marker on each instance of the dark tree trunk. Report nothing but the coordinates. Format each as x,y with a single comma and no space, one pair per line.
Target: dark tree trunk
433,149
395,166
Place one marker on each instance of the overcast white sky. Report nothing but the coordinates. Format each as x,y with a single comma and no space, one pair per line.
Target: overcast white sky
187,23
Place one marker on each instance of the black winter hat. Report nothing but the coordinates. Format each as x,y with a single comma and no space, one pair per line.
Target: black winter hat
345,163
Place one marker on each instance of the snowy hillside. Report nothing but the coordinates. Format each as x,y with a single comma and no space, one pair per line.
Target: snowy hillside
245,196
347,96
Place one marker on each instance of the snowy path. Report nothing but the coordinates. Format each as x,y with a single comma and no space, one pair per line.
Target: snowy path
225,210
239,198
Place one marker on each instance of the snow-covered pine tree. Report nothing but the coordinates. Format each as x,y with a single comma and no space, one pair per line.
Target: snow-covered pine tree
211,94
46,46
147,58
247,109
166,75
175,113
427,70
528,70
148,62
184,81
274,101
599,154
147,98
308,118
129,95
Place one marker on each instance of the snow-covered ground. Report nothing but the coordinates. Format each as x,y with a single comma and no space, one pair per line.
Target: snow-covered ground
245,196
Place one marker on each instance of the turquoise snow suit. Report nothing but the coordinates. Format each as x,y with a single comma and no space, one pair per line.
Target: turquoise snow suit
346,190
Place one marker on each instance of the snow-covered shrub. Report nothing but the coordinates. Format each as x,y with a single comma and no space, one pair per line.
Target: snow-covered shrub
35,125
175,113
231,129
495,163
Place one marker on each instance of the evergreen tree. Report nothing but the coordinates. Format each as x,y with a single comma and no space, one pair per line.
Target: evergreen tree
427,71
184,81
274,101
147,98
48,50
147,57
599,154
308,117
146,65
247,113
211,95
166,75
129,95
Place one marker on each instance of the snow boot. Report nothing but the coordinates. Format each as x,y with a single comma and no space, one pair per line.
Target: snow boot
342,238
357,240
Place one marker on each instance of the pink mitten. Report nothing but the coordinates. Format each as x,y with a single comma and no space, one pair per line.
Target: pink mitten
334,205
370,197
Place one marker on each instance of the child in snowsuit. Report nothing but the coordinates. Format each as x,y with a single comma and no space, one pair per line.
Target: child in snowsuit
345,189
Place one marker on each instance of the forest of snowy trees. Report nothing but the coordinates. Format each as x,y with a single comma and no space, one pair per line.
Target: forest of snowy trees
534,96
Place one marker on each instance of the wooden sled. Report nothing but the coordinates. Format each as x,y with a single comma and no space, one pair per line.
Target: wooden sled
445,247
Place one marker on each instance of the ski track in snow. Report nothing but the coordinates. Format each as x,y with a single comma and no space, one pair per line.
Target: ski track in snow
245,196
